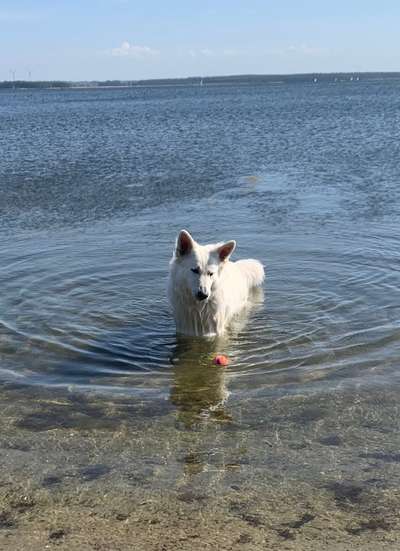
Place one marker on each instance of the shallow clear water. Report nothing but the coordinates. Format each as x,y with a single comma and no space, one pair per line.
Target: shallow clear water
94,186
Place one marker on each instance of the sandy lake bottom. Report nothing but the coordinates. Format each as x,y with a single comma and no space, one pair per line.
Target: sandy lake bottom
84,474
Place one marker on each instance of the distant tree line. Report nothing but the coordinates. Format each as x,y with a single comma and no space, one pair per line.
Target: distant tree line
197,81
35,84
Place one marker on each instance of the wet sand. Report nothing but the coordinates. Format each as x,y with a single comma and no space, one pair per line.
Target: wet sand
153,521
82,472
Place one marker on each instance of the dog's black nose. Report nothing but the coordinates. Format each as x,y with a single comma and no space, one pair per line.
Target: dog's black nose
201,295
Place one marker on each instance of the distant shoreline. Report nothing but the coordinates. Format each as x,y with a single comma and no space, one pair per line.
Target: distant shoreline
202,81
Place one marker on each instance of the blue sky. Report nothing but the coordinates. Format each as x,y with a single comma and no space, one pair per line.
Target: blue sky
131,39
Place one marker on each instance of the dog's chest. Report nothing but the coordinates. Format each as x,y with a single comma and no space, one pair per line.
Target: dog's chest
200,320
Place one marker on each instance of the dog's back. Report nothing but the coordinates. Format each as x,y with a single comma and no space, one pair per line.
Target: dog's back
252,270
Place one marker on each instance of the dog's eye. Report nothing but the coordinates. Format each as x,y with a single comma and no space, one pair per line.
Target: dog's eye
195,270
210,274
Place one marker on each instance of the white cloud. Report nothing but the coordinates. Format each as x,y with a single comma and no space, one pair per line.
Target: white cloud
304,49
207,52
134,51
230,52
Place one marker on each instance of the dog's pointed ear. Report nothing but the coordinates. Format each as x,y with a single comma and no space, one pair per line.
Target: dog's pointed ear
184,243
225,250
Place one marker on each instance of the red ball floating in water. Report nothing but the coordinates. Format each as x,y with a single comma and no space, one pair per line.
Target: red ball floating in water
220,359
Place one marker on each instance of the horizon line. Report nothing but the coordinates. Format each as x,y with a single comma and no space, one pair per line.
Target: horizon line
233,76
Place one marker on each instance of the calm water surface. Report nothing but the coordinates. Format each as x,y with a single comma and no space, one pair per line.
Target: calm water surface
94,186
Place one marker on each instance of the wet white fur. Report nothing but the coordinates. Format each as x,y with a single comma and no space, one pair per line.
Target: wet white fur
228,287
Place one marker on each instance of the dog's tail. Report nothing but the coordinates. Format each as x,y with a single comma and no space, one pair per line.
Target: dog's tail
253,270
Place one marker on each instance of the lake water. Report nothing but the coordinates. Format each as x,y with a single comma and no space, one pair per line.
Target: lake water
95,185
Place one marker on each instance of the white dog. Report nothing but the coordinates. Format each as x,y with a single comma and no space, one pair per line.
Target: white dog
205,288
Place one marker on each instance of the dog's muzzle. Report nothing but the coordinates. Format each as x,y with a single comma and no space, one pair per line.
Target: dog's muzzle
201,296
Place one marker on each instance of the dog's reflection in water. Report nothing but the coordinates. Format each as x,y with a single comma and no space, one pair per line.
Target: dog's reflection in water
199,387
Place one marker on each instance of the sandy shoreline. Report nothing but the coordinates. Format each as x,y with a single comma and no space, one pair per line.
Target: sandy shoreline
81,473
186,520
